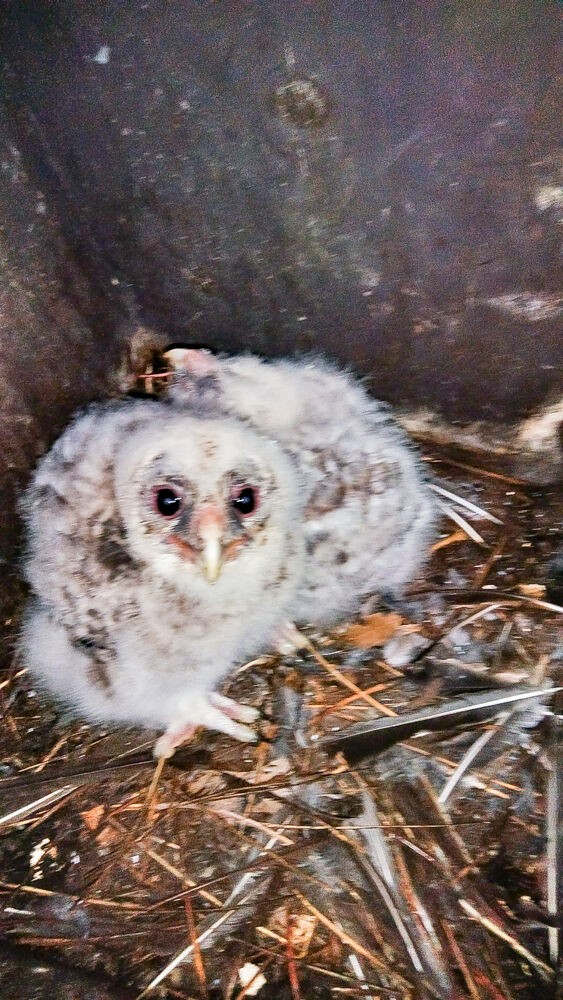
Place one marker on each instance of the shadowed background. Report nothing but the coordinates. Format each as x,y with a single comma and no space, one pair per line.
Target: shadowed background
377,181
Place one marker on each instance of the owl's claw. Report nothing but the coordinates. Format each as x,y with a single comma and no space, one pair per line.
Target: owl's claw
289,640
233,709
212,712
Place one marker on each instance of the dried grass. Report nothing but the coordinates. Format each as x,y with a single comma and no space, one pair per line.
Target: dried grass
421,872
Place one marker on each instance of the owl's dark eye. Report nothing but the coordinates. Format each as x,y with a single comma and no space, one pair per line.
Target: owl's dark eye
245,500
166,501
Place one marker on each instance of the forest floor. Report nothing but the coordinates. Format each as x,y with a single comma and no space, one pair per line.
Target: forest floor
416,862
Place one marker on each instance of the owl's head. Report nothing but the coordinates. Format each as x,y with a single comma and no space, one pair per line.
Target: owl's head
199,498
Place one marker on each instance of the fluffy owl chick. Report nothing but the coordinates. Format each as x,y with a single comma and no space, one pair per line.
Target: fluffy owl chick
368,513
163,549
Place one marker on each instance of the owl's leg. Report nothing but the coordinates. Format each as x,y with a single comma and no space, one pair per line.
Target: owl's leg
212,711
168,743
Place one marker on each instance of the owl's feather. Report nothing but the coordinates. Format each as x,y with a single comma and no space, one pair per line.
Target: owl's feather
369,516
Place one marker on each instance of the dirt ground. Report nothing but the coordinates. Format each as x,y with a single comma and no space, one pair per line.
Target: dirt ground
303,869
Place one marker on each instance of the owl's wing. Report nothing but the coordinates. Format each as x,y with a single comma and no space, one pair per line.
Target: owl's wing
369,515
272,396
305,405
77,560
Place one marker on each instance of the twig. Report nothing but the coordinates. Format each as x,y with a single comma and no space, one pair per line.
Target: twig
350,941
290,956
151,794
469,757
186,953
463,966
511,480
345,681
198,960
553,849
462,502
541,968
31,807
462,523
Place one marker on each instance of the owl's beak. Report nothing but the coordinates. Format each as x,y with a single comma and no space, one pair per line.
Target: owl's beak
210,525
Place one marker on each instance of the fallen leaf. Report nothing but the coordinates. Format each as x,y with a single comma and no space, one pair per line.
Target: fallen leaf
205,782
274,769
107,836
532,590
375,630
456,536
92,817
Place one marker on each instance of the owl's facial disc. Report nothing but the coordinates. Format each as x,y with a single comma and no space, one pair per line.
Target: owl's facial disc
207,532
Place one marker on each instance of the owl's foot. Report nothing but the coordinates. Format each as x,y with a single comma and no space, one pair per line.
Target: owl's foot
234,710
213,711
288,640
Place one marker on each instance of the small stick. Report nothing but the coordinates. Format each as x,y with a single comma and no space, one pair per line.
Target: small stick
290,956
462,502
342,679
329,709
462,523
544,970
463,967
377,963
511,480
197,957
151,794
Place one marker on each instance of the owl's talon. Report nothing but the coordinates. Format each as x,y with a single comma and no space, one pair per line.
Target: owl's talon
167,744
233,709
213,711
288,640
